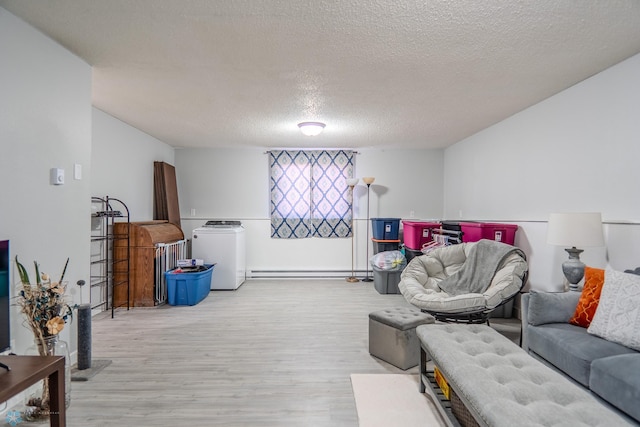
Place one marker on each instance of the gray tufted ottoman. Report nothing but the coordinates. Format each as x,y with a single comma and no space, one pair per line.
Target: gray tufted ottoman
392,335
499,384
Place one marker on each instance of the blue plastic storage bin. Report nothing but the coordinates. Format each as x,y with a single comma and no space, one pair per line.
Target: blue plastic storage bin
188,288
385,228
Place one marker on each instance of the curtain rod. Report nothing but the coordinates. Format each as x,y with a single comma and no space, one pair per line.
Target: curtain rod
312,149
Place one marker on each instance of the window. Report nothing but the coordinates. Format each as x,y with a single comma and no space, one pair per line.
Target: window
309,193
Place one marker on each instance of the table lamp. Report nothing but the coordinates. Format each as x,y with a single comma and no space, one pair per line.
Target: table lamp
575,230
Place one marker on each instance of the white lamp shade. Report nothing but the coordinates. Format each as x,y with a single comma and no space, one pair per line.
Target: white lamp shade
368,180
311,128
578,230
352,181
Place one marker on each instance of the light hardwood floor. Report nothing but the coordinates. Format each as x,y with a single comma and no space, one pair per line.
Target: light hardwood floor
272,353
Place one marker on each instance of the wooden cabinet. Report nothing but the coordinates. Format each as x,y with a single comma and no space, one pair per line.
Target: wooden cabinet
146,240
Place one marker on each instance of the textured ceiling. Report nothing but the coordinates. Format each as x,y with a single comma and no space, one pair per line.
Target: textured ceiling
379,73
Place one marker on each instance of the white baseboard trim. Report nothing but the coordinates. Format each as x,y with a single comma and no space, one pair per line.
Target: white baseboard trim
302,274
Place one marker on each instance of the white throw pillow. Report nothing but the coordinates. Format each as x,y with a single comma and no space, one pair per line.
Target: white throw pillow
617,317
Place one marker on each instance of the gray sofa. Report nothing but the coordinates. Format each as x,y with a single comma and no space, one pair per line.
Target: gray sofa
609,370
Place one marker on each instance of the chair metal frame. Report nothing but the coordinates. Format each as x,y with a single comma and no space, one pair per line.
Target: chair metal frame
474,316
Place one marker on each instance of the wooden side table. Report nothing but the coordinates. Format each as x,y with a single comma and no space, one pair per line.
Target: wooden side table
28,370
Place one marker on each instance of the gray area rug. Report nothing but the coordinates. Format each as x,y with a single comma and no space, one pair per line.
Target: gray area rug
387,400
97,365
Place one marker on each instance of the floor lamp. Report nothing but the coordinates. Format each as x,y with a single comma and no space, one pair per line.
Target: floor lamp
351,182
368,180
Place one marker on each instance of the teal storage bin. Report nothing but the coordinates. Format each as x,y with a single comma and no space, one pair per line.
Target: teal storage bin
188,288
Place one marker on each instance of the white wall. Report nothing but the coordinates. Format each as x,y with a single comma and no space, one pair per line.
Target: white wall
234,184
576,151
122,163
45,122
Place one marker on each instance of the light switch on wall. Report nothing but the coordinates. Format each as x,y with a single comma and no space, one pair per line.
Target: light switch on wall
77,171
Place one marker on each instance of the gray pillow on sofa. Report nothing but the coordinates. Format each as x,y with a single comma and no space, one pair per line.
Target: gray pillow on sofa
551,307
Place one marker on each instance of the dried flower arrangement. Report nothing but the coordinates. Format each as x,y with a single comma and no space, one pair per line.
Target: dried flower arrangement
43,304
46,312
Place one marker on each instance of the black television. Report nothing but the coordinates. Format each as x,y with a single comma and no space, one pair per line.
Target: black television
5,328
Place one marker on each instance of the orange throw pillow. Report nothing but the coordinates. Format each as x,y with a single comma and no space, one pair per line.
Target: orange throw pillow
590,297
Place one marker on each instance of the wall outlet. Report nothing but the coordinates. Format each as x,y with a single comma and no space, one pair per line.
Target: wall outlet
412,214
460,214
193,212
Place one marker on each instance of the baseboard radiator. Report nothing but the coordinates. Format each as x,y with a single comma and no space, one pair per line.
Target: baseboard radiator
303,274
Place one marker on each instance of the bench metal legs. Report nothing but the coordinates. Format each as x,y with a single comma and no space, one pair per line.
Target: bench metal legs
425,387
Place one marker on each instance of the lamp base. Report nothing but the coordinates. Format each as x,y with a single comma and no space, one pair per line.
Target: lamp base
573,268
367,279
352,279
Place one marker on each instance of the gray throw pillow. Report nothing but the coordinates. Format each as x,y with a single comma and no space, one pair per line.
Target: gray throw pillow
551,307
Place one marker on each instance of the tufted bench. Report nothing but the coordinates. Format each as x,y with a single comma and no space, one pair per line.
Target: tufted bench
499,384
392,335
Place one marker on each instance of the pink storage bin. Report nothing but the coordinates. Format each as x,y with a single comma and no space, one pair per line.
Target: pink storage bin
417,233
474,231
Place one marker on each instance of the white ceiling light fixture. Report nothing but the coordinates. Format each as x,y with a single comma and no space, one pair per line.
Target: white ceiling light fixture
311,128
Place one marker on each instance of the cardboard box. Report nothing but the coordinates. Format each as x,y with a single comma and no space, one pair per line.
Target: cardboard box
190,262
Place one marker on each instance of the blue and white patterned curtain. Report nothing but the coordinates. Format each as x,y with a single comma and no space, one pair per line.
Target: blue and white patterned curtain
309,193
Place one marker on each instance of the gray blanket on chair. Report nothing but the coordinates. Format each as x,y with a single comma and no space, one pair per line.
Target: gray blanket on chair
475,275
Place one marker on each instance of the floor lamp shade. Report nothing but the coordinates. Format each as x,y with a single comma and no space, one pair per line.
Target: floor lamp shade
574,230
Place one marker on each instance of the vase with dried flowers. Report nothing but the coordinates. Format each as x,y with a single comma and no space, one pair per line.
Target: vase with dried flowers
46,312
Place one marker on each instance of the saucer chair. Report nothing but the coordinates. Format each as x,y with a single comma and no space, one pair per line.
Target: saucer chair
464,282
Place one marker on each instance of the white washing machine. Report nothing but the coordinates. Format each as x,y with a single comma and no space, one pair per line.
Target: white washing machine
222,243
